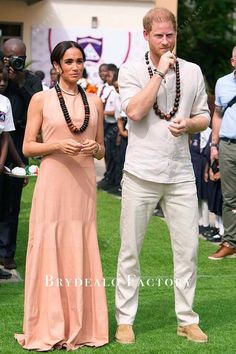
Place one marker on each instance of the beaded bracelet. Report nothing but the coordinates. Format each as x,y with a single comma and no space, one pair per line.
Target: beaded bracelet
160,74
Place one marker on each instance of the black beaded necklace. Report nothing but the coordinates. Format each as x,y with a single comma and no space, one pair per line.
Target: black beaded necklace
66,114
158,112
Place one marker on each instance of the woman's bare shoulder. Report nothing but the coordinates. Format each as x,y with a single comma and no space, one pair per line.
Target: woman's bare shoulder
41,96
97,100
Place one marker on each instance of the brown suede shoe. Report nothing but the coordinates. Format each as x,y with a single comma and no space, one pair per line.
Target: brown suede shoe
225,251
193,332
125,334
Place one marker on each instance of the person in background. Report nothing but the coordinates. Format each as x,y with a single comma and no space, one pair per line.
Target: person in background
22,84
6,125
110,129
102,71
163,106
214,196
198,143
223,148
121,142
41,76
53,77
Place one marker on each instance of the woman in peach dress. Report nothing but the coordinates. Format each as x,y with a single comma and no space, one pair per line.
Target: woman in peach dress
65,302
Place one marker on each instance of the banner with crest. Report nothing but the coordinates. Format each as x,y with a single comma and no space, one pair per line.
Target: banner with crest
100,46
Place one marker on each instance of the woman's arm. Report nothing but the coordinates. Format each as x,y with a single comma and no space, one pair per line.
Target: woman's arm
96,147
31,147
99,154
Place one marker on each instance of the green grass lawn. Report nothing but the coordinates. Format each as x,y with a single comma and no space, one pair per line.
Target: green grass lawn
155,325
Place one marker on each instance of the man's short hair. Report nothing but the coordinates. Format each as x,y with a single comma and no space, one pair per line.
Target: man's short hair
158,14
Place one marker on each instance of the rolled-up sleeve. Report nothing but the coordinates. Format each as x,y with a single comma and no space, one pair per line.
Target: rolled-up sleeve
129,84
200,105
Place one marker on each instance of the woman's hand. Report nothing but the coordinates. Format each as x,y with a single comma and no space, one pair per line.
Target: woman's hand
89,147
69,147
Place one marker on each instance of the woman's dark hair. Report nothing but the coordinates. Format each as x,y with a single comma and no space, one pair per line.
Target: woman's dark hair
115,70
112,67
60,49
85,74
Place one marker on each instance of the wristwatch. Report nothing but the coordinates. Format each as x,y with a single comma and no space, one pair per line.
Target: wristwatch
214,145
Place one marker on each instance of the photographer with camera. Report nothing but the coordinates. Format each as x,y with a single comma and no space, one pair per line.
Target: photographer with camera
22,85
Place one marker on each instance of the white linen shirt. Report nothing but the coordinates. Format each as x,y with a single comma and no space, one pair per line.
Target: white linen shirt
118,111
6,118
153,153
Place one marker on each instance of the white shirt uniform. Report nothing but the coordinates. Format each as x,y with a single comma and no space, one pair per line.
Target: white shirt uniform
6,118
104,91
110,105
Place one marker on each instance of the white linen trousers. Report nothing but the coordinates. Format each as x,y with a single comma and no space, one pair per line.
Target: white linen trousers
180,207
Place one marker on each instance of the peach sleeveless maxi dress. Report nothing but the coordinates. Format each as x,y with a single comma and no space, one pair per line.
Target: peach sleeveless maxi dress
65,302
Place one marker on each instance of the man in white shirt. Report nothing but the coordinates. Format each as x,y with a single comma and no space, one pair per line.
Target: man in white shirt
164,98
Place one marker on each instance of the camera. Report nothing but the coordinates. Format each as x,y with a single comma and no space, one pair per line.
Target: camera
17,62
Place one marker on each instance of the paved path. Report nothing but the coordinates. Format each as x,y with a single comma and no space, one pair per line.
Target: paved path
100,168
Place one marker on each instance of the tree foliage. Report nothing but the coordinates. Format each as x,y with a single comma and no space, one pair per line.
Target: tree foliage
206,35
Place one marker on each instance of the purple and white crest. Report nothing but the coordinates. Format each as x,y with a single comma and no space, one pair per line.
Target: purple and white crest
92,47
